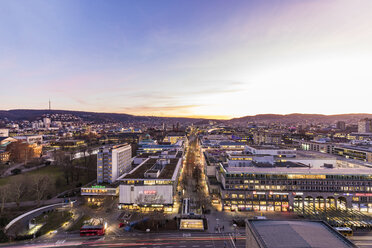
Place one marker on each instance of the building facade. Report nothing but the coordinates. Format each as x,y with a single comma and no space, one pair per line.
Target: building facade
112,162
365,126
285,189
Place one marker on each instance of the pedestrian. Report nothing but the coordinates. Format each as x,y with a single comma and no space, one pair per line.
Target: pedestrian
223,228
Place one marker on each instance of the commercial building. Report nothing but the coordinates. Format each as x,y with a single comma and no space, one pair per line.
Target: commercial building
112,162
266,137
365,126
289,185
151,185
46,122
270,150
293,234
361,153
30,139
341,125
4,132
4,156
173,138
318,146
154,147
96,194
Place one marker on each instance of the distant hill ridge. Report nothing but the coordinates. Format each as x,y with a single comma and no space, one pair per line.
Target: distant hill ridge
296,117
34,114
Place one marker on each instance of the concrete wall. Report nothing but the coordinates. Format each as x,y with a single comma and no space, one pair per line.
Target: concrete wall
250,241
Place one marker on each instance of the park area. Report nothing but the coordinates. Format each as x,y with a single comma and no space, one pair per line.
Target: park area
45,183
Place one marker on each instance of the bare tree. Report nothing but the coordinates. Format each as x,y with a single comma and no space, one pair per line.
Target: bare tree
40,186
4,196
18,188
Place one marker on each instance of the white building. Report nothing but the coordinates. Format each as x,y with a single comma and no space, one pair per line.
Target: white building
112,162
151,184
270,150
46,122
30,139
4,132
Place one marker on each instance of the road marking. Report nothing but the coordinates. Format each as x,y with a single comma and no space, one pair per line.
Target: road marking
59,242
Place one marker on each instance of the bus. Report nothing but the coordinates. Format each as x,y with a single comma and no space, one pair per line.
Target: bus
346,231
88,230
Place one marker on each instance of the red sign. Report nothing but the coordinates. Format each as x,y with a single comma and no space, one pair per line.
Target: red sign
363,194
149,192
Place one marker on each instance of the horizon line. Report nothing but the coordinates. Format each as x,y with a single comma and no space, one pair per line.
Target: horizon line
204,117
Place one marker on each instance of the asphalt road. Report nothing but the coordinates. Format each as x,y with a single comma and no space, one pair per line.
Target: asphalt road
153,240
362,239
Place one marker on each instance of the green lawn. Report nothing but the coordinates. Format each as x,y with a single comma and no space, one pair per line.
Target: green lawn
53,220
56,177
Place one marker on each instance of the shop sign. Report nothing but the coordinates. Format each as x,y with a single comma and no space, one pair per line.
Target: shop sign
363,194
280,193
298,193
149,192
98,187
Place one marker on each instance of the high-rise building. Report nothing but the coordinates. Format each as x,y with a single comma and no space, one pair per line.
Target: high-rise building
46,122
365,126
112,162
341,125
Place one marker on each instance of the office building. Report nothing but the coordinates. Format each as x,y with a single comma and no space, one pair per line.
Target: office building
289,185
365,126
46,122
112,162
30,139
341,125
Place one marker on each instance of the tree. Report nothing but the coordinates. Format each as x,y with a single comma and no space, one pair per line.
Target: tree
4,196
19,188
40,186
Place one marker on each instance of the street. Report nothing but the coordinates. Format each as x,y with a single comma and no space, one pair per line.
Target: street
167,240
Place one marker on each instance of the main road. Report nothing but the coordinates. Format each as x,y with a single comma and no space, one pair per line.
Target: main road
140,240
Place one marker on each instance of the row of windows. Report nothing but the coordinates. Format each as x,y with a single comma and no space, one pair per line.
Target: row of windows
304,188
298,176
300,182
255,196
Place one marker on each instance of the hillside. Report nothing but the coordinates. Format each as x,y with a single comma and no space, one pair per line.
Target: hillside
301,118
34,114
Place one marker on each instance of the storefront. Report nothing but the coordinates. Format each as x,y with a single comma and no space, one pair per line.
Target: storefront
191,224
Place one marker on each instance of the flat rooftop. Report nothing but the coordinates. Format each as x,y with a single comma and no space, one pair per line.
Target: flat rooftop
300,170
313,155
139,171
268,147
296,233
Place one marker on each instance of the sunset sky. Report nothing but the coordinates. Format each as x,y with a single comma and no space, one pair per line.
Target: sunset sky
216,59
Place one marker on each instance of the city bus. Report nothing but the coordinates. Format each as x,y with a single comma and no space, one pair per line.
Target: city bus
346,231
87,230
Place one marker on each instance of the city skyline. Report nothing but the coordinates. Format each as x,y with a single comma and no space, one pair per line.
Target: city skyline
189,59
